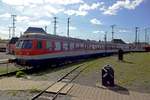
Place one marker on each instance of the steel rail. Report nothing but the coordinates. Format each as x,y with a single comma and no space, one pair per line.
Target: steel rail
39,94
58,92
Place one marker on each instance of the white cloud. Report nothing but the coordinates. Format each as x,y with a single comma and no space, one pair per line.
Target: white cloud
128,4
39,23
13,2
81,13
53,10
70,12
112,10
20,29
133,4
36,2
83,9
64,2
37,12
20,8
72,28
4,34
22,2
123,31
50,7
90,7
22,18
96,21
5,15
28,2
95,32
76,12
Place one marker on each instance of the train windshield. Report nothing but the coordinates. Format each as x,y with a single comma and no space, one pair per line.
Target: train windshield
24,44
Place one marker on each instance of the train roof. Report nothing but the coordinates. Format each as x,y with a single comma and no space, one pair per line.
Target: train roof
49,36
120,41
35,30
57,37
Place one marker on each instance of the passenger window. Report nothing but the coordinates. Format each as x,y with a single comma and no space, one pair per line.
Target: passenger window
71,46
39,44
48,45
77,45
65,46
81,45
57,46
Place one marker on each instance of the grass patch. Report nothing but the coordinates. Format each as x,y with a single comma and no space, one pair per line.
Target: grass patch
4,69
20,74
34,90
134,71
13,93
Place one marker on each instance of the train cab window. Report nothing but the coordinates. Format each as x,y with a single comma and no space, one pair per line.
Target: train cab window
39,44
19,44
57,46
27,44
48,45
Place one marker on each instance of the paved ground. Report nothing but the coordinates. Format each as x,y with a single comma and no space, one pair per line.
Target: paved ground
13,83
76,92
81,92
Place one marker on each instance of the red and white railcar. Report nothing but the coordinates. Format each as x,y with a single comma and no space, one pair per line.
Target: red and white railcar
36,47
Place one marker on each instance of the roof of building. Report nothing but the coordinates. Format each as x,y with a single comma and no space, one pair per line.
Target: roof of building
34,30
118,41
13,40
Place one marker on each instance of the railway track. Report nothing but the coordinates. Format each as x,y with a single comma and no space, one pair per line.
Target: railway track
70,76
6,62
14,72
26,70
11,73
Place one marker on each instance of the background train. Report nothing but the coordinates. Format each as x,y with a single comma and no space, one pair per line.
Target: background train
36,47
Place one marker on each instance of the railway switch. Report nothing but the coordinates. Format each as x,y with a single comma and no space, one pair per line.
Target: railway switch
107,75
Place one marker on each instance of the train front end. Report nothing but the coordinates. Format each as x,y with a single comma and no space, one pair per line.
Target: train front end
25,51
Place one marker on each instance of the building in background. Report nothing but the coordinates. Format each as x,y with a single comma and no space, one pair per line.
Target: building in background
11,45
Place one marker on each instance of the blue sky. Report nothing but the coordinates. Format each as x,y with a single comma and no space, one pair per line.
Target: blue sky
90,19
